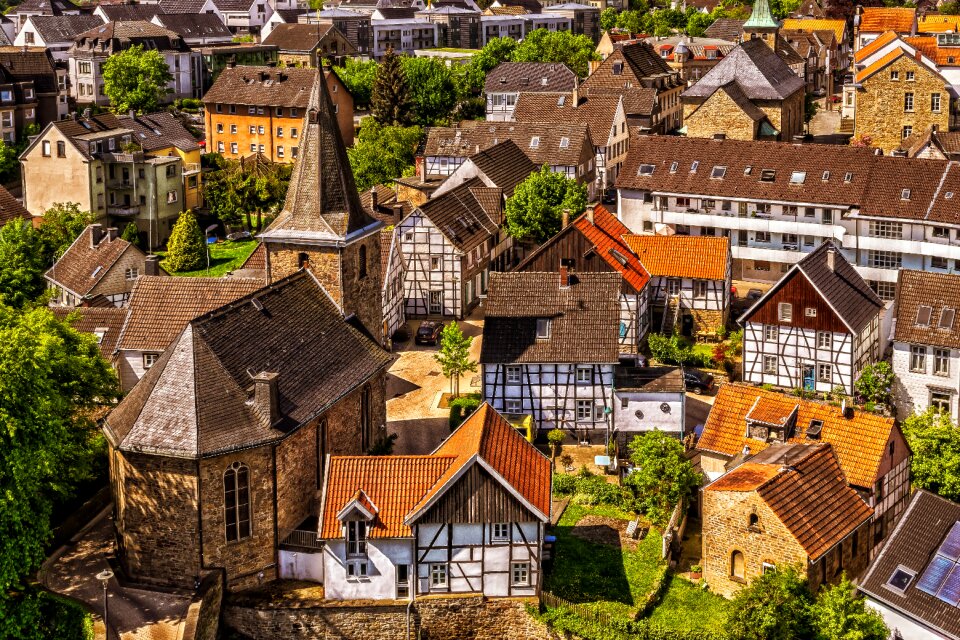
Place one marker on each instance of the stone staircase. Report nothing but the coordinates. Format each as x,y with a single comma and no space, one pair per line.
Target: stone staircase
846,126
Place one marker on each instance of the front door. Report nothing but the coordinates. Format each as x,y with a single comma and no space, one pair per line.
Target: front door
808,379
436,302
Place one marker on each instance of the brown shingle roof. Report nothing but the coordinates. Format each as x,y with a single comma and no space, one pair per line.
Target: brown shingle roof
460,216
298,37
160,307
11,208
584,318
471,136
597,112
729,29
505,164
701,257
806,490
83,265
938,292
105,322
159,130
860,442
30,63
531,77
263,86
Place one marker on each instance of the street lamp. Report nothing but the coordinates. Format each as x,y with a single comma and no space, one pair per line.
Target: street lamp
104,578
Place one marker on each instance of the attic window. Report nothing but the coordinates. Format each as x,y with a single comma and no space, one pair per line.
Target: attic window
543,328
748,170
768,175
946,318
693,167
564,143
617,68
718,172
674,166
798,177
948,195
561,100
826,176
96,271
645,170
905,194
619,257
923,315
900,579
848,177
535,142
543,81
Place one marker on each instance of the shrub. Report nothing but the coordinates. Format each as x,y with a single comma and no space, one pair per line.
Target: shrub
564,484
592,490
186,249
555,438
461,408
875,383
673,350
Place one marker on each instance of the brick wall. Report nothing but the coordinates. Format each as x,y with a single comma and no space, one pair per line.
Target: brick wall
447,618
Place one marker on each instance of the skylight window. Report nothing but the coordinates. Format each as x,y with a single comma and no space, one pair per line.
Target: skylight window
645,170
543,81
948,195
900,579
693,167
718,172
905,194
848,177
798,177
946,318
564,142
923,315
674,166
748,170
825,176
535,142
768,175
561,100
96,271
543,328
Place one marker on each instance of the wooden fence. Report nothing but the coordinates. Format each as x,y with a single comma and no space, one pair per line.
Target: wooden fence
582,611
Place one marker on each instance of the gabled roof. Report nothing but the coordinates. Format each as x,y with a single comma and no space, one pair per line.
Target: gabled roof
45,7
11,208
297,36
729,29
195,25
843,288
805,488
263,86
811,25
161,307
23,64
59,29
875,45
471,136
460,216
756,68
129,11
84,264
113,37
860,442
105,322
505,164
637,101
700,257
878,19
404,487
880,64
923,527
938,292
539,77
598,112
322,203
584,318
194,401
159,130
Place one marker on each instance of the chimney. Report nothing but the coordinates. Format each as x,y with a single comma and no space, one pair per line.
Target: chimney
918,55
112,234
564,277
151,266
87,113
265,398
590,215
96,235
132,114
397,213
566,219
373,199
831,259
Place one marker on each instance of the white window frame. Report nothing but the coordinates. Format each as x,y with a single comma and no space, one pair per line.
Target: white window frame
584,374
514,374
770,365
824,340
585,411
500,531
771,333
438,575
520,574
785,312
918,358
941,362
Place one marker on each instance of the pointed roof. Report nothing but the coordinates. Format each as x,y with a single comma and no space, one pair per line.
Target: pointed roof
756,68
761,18
322,204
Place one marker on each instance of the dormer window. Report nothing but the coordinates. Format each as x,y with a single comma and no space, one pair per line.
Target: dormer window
356,538
848,177
718,172
543,328
535,142
617,68
825,176
561,100
564,143
923,315
748,170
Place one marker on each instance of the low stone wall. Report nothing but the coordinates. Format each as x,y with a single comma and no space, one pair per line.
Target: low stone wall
431,617
203,615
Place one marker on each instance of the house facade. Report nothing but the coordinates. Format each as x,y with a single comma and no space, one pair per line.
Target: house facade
29,92
926,354
54,32
647,399
816,329
504,83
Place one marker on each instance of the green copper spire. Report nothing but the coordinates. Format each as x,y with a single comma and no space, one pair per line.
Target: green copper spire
761,18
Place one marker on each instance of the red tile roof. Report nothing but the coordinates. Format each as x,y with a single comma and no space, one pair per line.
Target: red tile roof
897,19
606,233
871,48
402,487
859,442
701,257
880,64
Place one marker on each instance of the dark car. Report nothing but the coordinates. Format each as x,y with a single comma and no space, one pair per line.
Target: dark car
429,332
754,294
697,382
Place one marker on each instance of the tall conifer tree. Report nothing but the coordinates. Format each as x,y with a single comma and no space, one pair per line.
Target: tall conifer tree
391,103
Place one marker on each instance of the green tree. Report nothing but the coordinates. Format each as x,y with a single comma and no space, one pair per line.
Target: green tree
634,21
697,23
541,45
234,190
783,8
61,225
935,442
9,163
876,382
772,607
186,250
662,475
470,77
535,210
839,614
359,77
131,233
391,103
136,79
382,154
53,379
608,19
810,107
432,89
454,355
21,264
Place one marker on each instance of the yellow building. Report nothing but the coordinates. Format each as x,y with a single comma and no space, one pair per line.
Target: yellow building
171,142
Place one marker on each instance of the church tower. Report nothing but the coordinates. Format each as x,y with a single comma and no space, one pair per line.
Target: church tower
762,24
322,226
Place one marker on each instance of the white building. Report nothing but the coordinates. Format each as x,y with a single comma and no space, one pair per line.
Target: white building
505,82
777,202
926,351
647,399
403,35
468,518
55,33
816,329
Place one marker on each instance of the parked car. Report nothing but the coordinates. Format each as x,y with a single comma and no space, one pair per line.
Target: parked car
754,294
429,332
697,382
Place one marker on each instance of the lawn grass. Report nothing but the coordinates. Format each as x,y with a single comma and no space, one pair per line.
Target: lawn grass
615,581
224,257
686,606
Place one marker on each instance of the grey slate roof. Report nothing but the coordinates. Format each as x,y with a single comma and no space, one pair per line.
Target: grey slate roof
158,131
533,77
843,288
914,541
130,11
199,25
759,71
322,198
505,164
45,7
729,29
194,401
55,29
649,379
584,318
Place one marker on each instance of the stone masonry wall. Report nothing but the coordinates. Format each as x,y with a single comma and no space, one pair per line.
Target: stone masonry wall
431,618
706,321
718,114
283,259
296,478
203,614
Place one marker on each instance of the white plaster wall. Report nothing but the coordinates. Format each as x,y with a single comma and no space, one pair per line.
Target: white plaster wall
298,565
913,388
625,419
792,353
897,622
380,581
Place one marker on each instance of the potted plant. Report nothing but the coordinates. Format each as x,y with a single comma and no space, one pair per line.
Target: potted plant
696,572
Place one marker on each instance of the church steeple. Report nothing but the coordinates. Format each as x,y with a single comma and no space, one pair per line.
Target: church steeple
762,24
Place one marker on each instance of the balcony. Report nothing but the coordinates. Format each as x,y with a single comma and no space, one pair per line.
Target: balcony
191,167
773,254
120,183
304,536
124,210
729,220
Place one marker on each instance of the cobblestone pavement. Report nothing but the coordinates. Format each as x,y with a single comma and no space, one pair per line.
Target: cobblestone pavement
414,388
134,614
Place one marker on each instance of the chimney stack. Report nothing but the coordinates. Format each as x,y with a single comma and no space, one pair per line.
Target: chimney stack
112,234
397,213
96,235
373,200
566,219
564,277
151,266
590,215
265,398
831,259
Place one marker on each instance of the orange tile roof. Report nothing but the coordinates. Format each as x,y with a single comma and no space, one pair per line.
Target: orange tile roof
897,19
882,40
880,64
927,45
773,411
859,442
816,24
402,486
937,27
701,257
747,477
606,233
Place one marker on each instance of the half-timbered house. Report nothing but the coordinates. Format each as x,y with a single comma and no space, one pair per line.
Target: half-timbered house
468,518
392,290
816,329
550,345
870,448
689,280
593,244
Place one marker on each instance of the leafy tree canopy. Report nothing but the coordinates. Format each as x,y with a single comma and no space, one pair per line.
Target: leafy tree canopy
186,250
535,211
772,607
359,77
234,189
432,89
875,382
136,79
454,355
131,233
839,614
62,224
662,475
381,153
21,264
541,45
935,442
